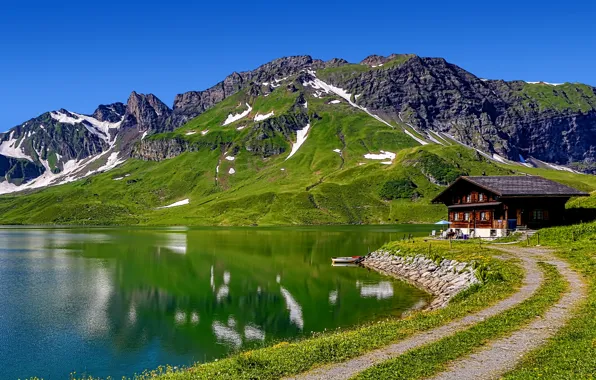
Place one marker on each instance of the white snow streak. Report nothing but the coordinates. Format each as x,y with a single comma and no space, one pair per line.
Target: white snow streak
176,204
384,155
231,171
547,83
230,158
259,117
232,118
8,148
99,128
300,139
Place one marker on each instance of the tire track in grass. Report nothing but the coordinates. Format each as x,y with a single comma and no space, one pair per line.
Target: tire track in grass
502,355
434,358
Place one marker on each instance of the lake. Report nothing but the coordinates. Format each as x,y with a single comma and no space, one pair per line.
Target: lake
116,301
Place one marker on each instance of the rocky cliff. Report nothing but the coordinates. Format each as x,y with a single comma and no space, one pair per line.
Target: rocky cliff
554,123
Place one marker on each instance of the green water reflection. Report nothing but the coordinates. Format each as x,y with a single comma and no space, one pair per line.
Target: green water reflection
117,301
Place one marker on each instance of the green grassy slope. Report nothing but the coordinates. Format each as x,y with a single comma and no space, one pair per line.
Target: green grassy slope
315,186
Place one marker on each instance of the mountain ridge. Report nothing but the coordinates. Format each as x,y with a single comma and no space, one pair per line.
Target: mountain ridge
433,100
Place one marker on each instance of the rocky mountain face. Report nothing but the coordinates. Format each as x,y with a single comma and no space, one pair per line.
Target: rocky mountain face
515,120
145,113
191,104
554,123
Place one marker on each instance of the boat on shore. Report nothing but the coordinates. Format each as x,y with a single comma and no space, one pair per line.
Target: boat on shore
345,259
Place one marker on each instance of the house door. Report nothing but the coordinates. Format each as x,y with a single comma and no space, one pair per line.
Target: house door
520,217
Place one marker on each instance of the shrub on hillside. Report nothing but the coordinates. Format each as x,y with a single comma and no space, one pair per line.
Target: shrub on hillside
398,189
438,170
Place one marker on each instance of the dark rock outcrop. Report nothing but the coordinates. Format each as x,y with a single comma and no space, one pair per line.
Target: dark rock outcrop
145,113
18,171
159,150
111,112
494,116
261,139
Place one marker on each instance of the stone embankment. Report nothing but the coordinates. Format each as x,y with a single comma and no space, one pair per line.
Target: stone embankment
443,280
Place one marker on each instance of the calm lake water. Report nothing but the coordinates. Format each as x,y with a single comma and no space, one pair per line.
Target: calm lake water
116,301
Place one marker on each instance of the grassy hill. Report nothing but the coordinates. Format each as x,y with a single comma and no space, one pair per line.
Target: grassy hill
240,174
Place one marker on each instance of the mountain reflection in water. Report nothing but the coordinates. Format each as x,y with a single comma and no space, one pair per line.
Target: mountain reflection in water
130,299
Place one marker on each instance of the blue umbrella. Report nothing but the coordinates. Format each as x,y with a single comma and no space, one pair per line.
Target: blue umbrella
442,222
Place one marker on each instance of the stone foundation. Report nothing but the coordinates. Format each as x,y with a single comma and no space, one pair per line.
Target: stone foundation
443,280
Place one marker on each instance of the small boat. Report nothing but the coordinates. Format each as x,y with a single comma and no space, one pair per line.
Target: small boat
345,260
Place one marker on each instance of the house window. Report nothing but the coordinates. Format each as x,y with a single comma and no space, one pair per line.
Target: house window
484,216
469,198
481,197
457,216
467,216
538,215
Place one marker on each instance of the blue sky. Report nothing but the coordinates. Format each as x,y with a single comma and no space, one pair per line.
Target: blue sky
77,55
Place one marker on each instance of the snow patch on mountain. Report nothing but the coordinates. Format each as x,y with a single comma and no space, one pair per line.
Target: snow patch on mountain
384,155
259,117
72,170
301,136
176,204
235,117
99,128
547,83
10,148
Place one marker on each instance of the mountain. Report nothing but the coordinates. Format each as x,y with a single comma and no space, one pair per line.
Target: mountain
296,140
61,146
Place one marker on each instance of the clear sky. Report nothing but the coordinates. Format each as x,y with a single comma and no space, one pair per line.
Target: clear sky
76,55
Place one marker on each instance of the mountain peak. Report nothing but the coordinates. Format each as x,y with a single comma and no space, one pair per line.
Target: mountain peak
145,112
112,113
375,60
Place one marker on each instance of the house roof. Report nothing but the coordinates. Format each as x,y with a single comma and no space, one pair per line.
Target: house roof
518,186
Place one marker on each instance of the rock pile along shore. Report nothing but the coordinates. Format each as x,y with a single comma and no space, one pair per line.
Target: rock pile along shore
443,280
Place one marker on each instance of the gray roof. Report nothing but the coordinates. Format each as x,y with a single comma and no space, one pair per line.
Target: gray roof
523,186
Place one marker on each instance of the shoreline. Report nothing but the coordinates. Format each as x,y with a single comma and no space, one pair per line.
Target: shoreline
443,280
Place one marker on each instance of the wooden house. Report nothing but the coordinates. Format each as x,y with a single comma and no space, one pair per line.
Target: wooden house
489,206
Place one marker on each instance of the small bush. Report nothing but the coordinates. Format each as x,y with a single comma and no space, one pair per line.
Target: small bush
398,189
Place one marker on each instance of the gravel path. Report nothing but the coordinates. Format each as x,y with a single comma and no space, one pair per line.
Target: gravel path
502,355
345,370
